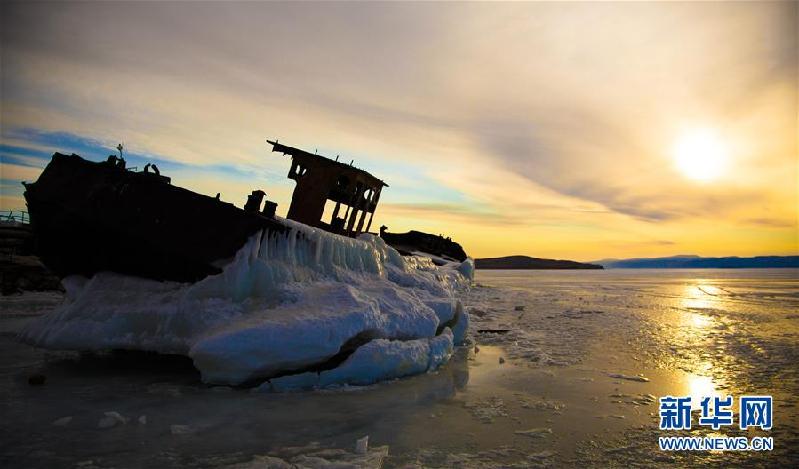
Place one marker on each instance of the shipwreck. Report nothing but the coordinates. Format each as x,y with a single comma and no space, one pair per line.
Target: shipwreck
89,217
312,300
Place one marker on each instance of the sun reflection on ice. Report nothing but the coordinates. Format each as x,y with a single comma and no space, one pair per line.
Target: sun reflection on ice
700,387
699,296
699,321
697,325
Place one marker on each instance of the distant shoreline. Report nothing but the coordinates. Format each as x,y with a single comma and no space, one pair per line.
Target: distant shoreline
697,262
648,268
674,262
531,263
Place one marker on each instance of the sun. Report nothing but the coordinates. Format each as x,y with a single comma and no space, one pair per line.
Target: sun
700,155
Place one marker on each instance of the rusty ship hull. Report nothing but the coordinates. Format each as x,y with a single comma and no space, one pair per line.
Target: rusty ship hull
90,217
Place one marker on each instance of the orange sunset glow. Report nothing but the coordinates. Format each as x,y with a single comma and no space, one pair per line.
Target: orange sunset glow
579,131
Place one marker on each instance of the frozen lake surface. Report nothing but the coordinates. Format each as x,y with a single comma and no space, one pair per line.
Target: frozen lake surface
566,371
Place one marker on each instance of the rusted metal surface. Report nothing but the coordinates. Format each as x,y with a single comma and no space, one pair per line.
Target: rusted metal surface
417,241
352,192
89,217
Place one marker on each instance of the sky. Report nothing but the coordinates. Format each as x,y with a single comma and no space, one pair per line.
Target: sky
544,129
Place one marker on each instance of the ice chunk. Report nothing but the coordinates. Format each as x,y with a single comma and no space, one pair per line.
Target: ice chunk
461,326
180,429
375,361
73,286
445,309
62,422
535,432
440,349
640,379
286,301
466,268
107,422
117,416
314,456
362,445
111,419
380,360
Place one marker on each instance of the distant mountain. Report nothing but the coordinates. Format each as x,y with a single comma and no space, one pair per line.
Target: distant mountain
524,262
606,262
697,262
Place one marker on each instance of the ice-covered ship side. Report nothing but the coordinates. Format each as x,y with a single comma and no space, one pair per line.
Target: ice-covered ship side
92,217
304,308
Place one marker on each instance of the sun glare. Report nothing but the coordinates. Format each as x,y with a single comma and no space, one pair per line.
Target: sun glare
700,387
700,155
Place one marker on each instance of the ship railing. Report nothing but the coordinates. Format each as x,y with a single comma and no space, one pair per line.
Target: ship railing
19,216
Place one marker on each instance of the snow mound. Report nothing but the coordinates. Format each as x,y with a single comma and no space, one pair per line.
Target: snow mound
285,303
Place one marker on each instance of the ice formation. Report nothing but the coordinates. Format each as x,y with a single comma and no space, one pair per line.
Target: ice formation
287,304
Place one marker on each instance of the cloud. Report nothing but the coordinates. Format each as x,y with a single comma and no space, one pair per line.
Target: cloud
488,115
12,202
771,222
459,212
17,172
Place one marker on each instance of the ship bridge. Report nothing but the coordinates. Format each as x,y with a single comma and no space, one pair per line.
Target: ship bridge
330,194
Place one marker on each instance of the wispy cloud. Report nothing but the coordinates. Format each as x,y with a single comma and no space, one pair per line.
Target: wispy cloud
552,123
453,212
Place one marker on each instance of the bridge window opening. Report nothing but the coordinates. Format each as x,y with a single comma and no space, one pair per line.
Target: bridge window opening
299,170
332,211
